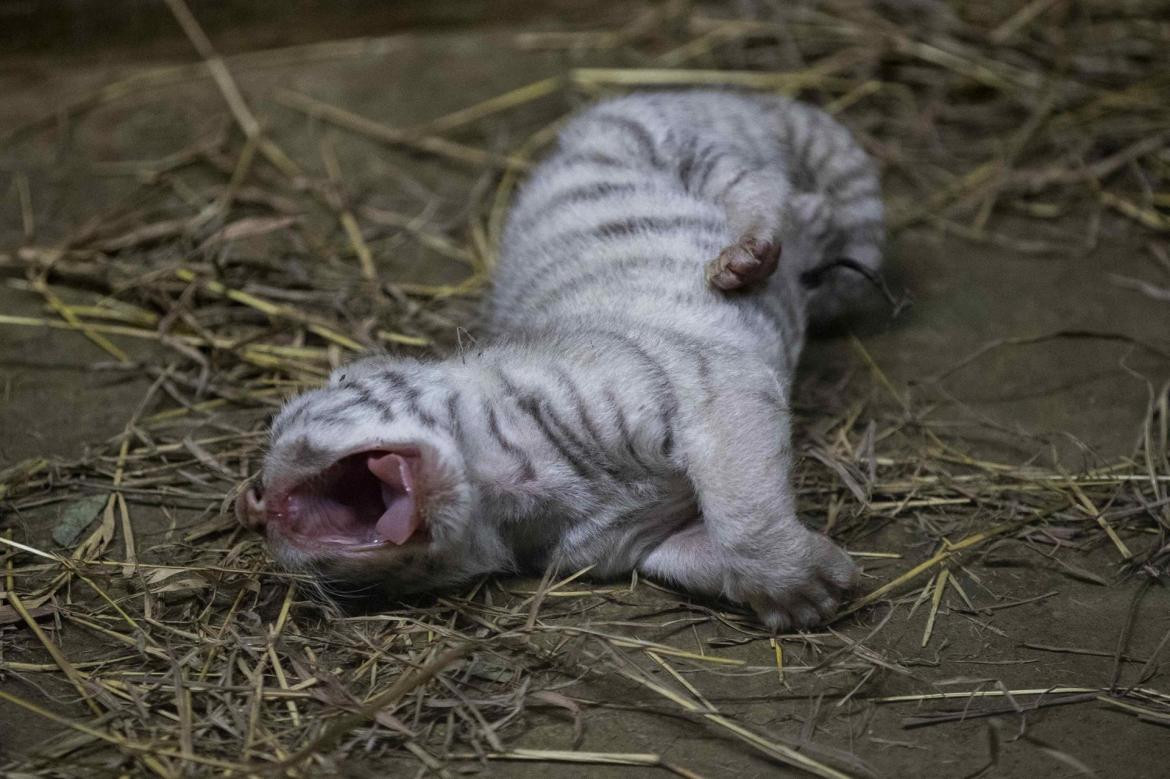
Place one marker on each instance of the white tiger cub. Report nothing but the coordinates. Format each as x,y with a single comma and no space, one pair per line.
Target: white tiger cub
631,410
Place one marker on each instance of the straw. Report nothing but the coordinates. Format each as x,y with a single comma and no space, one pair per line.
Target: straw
173,646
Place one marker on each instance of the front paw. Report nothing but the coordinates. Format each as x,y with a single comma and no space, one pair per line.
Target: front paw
802,587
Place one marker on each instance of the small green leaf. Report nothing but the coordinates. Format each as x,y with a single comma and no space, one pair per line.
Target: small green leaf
76,516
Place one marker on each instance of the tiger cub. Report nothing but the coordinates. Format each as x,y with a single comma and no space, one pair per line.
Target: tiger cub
632,409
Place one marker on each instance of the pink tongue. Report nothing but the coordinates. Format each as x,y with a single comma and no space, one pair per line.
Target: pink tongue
399,521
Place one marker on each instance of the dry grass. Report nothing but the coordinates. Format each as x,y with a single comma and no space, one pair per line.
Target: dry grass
993,125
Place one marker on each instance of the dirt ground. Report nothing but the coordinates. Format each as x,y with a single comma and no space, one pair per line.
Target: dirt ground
1071,403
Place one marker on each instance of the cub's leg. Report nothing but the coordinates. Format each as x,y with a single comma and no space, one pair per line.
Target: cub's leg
791,596
761,221
753,198
750,546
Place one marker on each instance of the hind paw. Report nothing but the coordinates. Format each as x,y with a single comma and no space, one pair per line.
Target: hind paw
744,263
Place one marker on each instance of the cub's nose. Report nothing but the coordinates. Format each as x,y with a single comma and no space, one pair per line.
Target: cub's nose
250,510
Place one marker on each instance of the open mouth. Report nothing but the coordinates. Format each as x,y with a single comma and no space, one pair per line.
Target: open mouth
368,499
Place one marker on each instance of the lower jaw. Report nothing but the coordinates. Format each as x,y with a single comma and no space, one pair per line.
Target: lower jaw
341,548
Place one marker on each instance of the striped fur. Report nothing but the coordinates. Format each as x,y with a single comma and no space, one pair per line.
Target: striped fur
626,414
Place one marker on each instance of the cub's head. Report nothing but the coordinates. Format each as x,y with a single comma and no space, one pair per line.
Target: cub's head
364,483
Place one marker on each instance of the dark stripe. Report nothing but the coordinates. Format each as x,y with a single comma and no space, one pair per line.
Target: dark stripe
526,467
686,162
570,387
595,456
625,294
291,414
531,406
708,168
509,385
817,166
546,418
337,416
455,420
854,175
797,142
667,411
608,230
363,394
307,454
331,408
802,161
584,193
539,299
738,177
624,430
412,397
638,132
696,344
394,378
698,347
705,383
366,396
693,158
638,224
593,158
